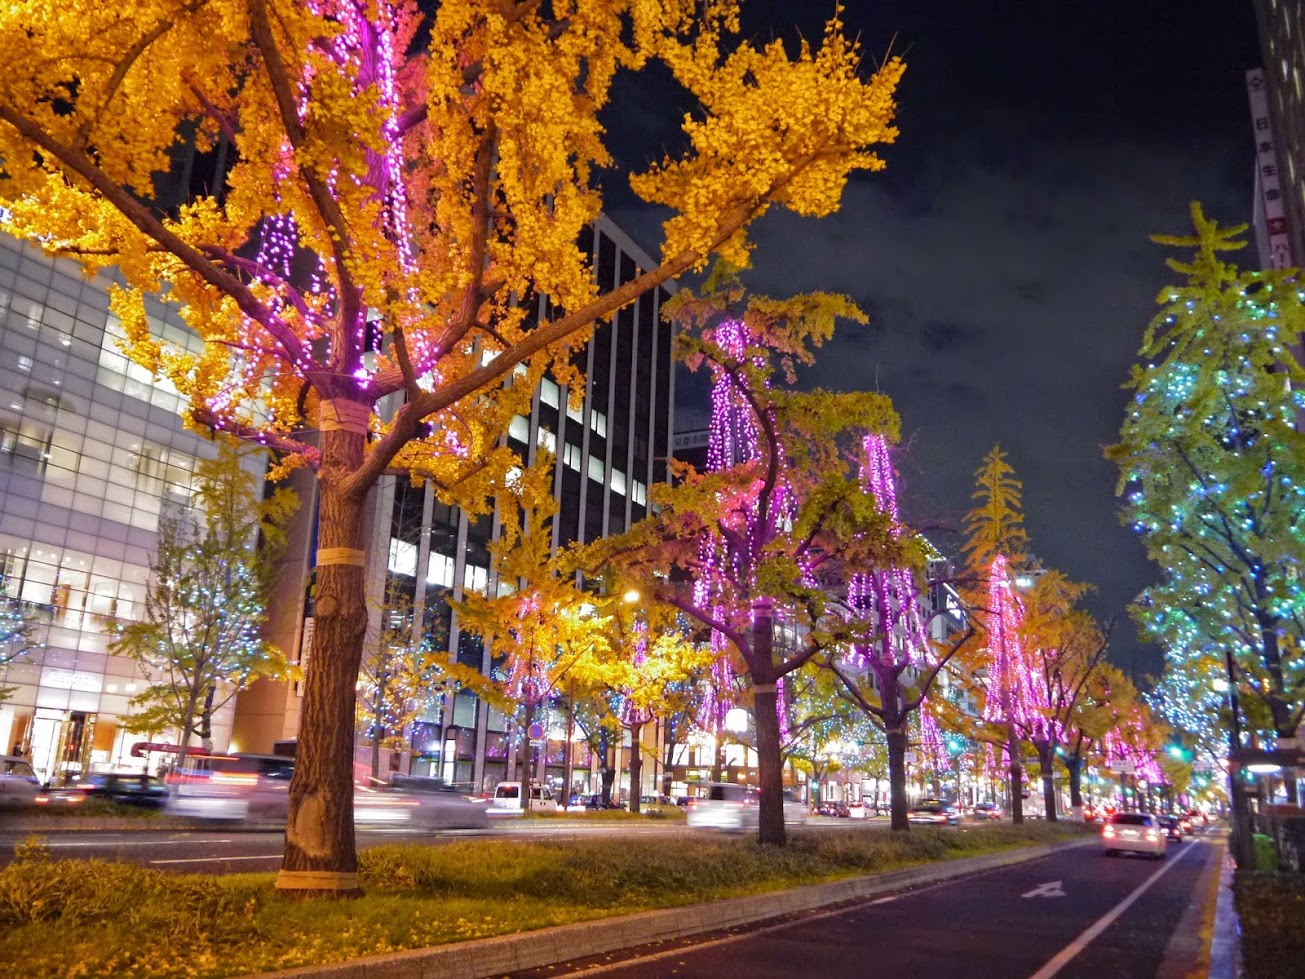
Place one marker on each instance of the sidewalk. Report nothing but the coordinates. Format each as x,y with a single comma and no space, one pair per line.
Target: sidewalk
550,946
1225,938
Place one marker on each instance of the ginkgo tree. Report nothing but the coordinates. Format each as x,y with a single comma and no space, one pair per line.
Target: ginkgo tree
749,548
1064,648
400,187
1212,473
199,640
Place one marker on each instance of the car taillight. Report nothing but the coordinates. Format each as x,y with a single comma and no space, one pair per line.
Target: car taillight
1152,835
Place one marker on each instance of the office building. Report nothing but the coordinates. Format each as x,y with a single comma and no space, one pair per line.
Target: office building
91,449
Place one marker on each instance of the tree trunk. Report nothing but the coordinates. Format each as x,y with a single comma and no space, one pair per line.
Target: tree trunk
718,763
1075,767
897,777
1047,763
765,704
320,856
636,767
1016,772
377,733
187,722
770,771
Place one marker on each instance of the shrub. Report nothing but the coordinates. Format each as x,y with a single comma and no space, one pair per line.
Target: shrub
1271,908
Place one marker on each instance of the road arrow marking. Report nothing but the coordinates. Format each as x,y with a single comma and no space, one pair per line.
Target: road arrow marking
1050,889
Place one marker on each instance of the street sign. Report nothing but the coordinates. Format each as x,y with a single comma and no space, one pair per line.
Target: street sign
1123,767
535,732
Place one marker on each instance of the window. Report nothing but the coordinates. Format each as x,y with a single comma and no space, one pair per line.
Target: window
519,429
549,392
598,422
596,468
403,558
571,456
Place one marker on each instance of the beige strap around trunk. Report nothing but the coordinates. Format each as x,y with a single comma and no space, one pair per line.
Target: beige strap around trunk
341,555
338,415
316,880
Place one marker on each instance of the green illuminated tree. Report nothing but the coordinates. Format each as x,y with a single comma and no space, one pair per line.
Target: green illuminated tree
1212,472
200,639
18,636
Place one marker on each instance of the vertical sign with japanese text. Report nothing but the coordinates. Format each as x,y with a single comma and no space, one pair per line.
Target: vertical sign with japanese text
1266,168
305,653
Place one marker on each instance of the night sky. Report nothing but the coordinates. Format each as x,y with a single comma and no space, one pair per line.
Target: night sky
1003,255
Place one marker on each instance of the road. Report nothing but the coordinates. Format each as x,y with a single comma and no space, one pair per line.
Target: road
236,850
1076,914
224,851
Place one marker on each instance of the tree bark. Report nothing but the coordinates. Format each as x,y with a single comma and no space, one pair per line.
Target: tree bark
187,722
1016,772
1075,767
897,777
765,703
636,767
320,856
1047,763
770,772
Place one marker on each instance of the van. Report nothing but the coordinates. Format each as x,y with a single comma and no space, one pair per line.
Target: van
510,800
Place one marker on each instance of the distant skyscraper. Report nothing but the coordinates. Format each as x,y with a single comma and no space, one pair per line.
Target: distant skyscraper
1277,94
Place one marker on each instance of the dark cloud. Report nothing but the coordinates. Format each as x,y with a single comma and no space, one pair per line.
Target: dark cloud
1004,255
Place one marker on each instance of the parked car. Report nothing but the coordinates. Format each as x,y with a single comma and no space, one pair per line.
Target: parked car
19,785
1133,832
424,803
595,803
726,806
130,788
988,810
932,812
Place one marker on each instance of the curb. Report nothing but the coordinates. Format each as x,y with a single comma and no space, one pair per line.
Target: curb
1225,937
548,946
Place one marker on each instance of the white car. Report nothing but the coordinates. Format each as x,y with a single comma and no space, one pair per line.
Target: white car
1133,832
19,785
726,806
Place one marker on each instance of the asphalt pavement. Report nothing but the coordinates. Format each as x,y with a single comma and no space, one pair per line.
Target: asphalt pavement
1075,914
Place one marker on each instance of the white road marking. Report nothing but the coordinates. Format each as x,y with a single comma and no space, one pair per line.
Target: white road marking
120,843
1062,958
1050,889
257,856
884,900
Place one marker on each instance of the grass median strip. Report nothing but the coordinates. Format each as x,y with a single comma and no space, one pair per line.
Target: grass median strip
92,918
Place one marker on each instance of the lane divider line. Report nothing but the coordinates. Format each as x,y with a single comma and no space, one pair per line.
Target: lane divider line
255,856
1062,958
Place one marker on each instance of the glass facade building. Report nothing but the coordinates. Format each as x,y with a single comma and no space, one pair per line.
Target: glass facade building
91,449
